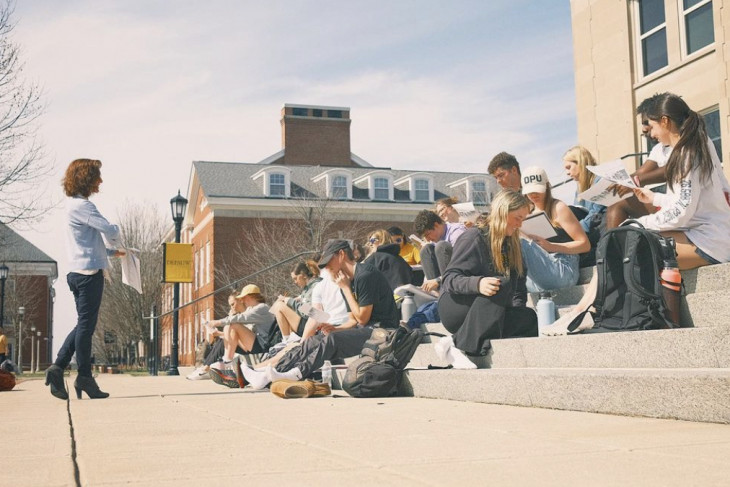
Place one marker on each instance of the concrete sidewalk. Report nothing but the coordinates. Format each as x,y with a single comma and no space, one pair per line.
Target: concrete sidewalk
170,431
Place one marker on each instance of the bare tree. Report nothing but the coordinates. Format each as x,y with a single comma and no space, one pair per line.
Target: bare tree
22,161
310,223
142,227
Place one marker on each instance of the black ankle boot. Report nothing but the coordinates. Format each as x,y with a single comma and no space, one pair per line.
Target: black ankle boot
89,386
54,378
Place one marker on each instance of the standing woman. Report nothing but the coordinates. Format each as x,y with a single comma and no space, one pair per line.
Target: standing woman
483,293
87,255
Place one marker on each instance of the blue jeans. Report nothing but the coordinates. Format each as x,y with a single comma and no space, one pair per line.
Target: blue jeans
87,291
546,271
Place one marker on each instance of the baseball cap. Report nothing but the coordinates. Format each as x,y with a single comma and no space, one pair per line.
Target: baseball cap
534,180
249,289
330,249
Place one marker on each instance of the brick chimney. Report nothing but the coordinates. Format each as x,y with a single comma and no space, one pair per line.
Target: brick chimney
315,135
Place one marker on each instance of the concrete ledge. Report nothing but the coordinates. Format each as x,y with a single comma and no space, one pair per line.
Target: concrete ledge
707,278
706,309
687,394
707,347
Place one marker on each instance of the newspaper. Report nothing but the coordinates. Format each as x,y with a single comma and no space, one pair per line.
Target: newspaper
539,225
467,212
318,315
599,193
614,171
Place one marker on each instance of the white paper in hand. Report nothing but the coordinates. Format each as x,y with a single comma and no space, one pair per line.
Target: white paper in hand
131,271
467,212
317,315
599,193
538,224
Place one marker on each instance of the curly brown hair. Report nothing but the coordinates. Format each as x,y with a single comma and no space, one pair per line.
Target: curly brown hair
81,177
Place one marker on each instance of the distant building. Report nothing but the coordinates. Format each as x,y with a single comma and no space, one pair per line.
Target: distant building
626,51
314,168
30,285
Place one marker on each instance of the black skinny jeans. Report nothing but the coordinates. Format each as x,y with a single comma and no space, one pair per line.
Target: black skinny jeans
87,291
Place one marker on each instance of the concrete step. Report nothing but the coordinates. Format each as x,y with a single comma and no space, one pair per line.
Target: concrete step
686,394
707,278
708,308
567,296
670,349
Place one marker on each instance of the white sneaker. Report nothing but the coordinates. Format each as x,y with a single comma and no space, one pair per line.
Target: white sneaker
443,346
459,360
201,373
293,338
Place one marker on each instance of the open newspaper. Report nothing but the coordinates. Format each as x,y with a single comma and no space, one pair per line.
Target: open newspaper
613,172
467,212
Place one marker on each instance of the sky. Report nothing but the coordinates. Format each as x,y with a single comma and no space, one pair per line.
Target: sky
148,87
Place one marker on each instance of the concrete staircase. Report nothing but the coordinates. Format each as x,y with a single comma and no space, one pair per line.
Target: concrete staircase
680,374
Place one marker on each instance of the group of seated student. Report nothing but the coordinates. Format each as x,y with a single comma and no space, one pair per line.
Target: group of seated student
481,273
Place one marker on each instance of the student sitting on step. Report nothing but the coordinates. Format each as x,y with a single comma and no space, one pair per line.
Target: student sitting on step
694,211
289,317
483,294
553,263
371,304
436,255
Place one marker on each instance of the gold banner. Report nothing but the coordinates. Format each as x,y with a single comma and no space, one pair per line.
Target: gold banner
178,259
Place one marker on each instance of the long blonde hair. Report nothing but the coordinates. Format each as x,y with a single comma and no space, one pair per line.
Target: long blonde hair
504,203
582,157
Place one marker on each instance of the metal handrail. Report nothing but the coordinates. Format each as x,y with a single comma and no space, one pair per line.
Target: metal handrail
232,284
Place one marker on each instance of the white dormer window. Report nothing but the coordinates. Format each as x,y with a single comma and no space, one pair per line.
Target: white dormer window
339,187
338,183
422,190
478,190
379,184
420,186
381,189
276,181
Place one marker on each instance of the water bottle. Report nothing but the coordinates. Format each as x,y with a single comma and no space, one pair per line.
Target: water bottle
545,310
408,307
671,281
327,373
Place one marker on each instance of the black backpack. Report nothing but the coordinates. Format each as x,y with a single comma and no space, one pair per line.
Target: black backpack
378,371
629,260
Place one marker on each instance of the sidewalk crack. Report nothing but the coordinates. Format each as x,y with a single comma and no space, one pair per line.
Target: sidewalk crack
77,475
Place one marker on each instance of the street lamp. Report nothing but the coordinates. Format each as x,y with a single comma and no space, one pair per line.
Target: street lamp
19,344
32,348
177,207
3,275
38,352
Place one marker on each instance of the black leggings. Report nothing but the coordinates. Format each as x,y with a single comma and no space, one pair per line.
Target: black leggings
474,319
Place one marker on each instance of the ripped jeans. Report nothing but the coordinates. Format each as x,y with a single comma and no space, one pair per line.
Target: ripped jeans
545,270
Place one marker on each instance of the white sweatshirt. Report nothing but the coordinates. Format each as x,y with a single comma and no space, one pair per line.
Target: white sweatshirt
699,209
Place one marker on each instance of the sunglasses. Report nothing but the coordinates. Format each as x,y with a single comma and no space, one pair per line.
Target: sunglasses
645,123
373,239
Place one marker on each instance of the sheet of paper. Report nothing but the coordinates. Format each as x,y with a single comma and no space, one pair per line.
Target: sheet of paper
599,193
614,171
539,225
318,315
467,212
415,238
131,271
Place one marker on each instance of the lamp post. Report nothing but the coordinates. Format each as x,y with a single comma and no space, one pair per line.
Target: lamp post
177,206
19,344
3,275
32,348
38,352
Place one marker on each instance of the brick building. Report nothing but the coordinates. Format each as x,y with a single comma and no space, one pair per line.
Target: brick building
29,285
235,209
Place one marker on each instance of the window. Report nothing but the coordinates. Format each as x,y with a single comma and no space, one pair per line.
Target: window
479,192
712,124
422,190
653,35
207,262
195,271
277,185
339,187
316,112
299,112
381,191
334,113
699,29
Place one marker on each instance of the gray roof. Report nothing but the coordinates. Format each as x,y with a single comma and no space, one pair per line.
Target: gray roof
233,180
14,248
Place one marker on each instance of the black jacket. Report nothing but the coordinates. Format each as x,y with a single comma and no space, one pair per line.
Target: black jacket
471,261
396,269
